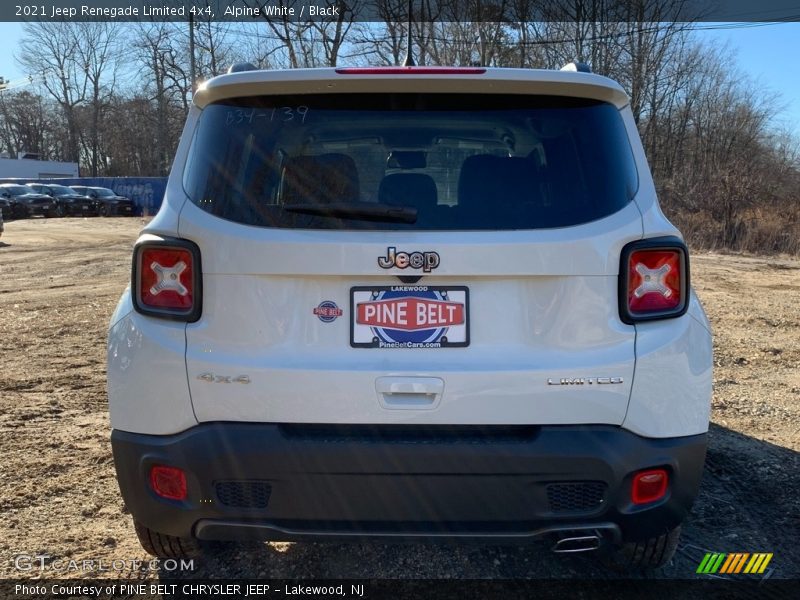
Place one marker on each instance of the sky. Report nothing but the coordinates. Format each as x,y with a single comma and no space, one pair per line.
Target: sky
762,52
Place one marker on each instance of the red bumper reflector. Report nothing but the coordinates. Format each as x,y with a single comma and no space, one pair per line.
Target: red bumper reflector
649,486
410,71
168,482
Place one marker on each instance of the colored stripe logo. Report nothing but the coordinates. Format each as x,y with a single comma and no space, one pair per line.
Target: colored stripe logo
734,563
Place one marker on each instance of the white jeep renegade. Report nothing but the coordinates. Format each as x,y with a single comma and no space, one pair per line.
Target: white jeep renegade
410,303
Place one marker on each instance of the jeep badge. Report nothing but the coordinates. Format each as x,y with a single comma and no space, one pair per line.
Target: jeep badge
427,261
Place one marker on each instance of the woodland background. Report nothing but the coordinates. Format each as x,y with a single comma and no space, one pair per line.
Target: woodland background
114,96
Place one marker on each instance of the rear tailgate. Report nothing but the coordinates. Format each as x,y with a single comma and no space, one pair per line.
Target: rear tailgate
542,307
335,227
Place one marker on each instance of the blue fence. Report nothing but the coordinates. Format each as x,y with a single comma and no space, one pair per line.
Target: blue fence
146,192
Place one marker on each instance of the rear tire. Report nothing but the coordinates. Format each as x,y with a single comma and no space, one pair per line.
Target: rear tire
653,553
103,211
167,546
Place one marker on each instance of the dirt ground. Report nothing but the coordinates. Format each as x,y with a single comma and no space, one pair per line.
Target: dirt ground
59,283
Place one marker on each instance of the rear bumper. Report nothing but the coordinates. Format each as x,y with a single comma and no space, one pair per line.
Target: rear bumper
41,209
79,210
120,210
17,211
267,481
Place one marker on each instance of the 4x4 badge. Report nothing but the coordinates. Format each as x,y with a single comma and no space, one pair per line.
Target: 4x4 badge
427,261
212,378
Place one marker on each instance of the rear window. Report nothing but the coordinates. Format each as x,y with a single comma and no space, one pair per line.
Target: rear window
17,190
410,161
60,189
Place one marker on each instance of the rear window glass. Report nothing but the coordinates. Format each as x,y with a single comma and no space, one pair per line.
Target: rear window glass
17,190
410,161
61,189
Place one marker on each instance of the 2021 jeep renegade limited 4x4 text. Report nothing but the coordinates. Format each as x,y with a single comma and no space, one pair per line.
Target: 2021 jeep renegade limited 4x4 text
410,302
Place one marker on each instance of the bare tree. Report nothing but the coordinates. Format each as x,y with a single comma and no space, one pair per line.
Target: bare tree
23,123
287,30
98,52
156,54
332,33
388,41
254,47
215,44
48,52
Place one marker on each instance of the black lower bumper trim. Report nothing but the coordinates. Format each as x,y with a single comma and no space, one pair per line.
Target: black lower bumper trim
267,481
222,530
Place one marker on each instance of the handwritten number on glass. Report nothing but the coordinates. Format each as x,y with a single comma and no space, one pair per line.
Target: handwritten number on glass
282,114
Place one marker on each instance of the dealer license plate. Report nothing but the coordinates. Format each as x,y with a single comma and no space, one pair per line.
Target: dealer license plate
409,316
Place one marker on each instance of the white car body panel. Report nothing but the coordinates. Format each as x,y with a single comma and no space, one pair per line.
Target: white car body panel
147,388
672,385
302,370
543,306
591,249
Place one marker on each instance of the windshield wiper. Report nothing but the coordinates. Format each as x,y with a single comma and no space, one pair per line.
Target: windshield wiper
361,211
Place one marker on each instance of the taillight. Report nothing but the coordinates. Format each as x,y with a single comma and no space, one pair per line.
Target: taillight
654,280
166,279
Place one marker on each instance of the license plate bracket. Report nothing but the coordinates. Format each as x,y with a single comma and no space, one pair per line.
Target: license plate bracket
409,316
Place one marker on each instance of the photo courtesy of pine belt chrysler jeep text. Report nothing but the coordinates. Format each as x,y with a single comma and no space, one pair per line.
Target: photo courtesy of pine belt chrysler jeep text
411,302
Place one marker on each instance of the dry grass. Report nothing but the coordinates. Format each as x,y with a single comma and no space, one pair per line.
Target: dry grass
756,231
60,279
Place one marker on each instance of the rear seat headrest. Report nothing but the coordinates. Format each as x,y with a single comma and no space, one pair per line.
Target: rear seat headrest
408,189
321,178
489,182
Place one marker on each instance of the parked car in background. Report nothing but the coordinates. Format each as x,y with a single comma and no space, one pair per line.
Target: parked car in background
12,208
108,203
1,221
68,201
36,204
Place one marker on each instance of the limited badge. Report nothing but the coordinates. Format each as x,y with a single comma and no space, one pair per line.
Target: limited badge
327,311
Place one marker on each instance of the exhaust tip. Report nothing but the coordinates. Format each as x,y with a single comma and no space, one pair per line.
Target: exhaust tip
585,543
